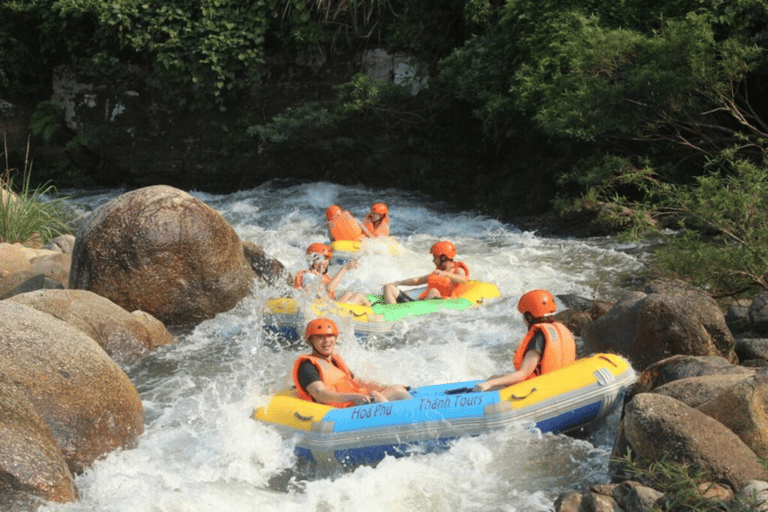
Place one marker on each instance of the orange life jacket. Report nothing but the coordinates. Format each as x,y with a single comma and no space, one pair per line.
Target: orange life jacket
298,282
559,347
381,230
344,227
448,288
336,377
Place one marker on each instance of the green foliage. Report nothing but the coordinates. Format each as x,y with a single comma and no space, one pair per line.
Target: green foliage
200,50
47,120
683,486
721,220
360,96
364,93
295,124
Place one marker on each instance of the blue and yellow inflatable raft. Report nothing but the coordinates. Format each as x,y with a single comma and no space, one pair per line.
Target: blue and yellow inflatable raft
573,397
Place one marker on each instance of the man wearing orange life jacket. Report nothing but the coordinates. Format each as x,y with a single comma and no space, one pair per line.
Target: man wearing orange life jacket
446,281
376,222
319,256
322,376
342,226
548,345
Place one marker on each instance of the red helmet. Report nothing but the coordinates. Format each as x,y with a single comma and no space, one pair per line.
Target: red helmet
332,211
317,248
321,326
444,248
380,208
538,303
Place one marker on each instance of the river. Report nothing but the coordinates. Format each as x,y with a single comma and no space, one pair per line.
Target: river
201,451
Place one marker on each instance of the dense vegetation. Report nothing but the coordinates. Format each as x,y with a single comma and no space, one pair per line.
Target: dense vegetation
648,115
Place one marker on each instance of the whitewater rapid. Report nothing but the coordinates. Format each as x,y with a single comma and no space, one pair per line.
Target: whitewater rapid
202,451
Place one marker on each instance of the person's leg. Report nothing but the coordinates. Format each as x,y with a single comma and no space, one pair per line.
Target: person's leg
433,293
390,294
396,393
359,298
354,298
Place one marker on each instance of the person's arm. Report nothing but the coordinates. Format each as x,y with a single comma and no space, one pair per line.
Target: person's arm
413,281
335,280
459,276
384,392
365,230
530,361
322,394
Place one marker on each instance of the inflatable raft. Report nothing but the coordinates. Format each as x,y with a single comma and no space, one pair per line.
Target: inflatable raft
287,316
346,250
565,400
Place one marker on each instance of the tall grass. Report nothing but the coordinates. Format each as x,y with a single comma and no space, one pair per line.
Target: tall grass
684,486
28,216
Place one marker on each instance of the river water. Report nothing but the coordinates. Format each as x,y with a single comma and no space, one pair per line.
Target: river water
201,451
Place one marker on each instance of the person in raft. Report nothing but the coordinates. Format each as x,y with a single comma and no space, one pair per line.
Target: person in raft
322,376
342,226
446,281
376,222
548,346
319,256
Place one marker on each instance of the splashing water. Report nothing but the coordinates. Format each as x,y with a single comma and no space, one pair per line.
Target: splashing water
202,451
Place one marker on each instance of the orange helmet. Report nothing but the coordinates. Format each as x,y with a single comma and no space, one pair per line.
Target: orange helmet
332,211
444,248
321,326
380,208
538,303
317,248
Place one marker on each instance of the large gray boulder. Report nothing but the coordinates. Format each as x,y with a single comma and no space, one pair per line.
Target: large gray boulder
79,392
670,318
742,408
160,250
658,427
30,459
696,391
124,336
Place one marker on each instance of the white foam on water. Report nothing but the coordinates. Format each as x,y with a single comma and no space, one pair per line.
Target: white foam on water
201,450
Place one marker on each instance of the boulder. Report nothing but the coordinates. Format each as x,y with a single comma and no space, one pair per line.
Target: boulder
61,243
268,270
695,391
737,318
671,318
79,392
749,349
742,408
160,250
24,269
123,335
683,367
756,492
574,320
658,427
30,459
758,314
24,282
